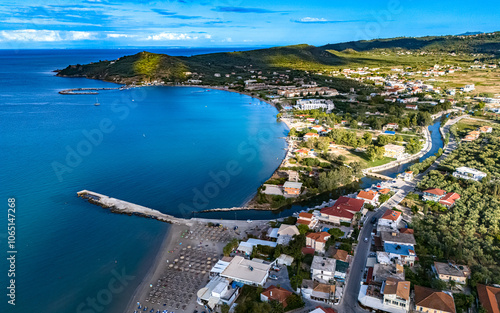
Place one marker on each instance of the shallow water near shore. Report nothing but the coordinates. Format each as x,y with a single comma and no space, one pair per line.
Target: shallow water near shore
171,149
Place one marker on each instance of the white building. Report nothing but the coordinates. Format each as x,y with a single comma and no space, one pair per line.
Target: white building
248,272
468,88
469,173
286,233
313,104
218,291
247,246
323,269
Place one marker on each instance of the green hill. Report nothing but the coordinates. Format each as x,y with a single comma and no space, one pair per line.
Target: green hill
144,66
478,43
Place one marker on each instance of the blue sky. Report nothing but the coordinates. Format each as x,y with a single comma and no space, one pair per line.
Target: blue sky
232,23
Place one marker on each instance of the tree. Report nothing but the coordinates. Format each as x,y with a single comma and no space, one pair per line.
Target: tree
303,229
224,308
233,244
293,132
335,232
294,302
375,153
367,137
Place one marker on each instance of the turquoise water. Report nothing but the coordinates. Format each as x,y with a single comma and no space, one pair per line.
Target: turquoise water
169,148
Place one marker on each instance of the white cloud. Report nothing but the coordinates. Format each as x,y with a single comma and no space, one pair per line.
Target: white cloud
313,20
43,35
77,35
30,35
117,36
173,36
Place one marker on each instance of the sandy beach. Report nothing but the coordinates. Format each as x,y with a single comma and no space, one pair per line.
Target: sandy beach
171,237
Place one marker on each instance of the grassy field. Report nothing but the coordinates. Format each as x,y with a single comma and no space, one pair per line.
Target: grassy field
485,81
365,163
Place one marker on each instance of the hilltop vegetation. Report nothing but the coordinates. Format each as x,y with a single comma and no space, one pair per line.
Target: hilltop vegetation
480,43
140,66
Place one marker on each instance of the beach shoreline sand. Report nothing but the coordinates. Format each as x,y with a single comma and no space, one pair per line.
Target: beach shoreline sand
172,235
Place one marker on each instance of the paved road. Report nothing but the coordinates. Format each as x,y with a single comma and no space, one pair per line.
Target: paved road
349,302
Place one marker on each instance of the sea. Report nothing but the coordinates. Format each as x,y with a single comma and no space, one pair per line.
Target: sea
175,149
178,150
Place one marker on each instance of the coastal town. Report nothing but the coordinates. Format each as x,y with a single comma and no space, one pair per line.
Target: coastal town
358,252
365,249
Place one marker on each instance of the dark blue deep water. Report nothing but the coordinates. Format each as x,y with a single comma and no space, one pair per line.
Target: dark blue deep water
156,146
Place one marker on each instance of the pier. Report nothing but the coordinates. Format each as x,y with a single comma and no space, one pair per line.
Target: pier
124,207
86,91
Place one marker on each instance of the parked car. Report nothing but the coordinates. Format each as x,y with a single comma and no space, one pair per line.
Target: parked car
374,220
249,221
273,277
365,240
276,268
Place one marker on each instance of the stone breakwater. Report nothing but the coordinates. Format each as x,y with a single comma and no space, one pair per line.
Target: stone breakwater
124,207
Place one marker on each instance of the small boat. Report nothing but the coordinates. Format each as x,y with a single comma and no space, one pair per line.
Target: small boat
96,102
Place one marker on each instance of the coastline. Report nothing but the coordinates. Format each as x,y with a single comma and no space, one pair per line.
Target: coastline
156,268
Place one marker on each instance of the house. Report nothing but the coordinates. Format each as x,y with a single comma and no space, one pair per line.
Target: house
292,188
399,246
412,106
433,194
217,292
390,126
307,219
384,191
320,309
324,293
394,151
383,271
310,135
343,210
485,129
449,199
468,88
396,293
286,233
452,272
273,293
433,301
469,173
471,136
293,176
369,196
339,254
323,269
284,259
314,104
302,152
341,268
389,221
489,298
317,240
246,247
248,272
407,176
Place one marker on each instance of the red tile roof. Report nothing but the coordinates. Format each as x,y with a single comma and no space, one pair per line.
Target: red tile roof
391,215
435,191
369,275
406,231
303,221
489,297
433,299
319,237
344,207
449,198
326,310
308,250
305,215
368,195
384,191
277,294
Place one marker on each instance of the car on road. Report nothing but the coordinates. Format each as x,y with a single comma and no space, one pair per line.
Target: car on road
276,268
249,221
374,220
365,240
273,277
